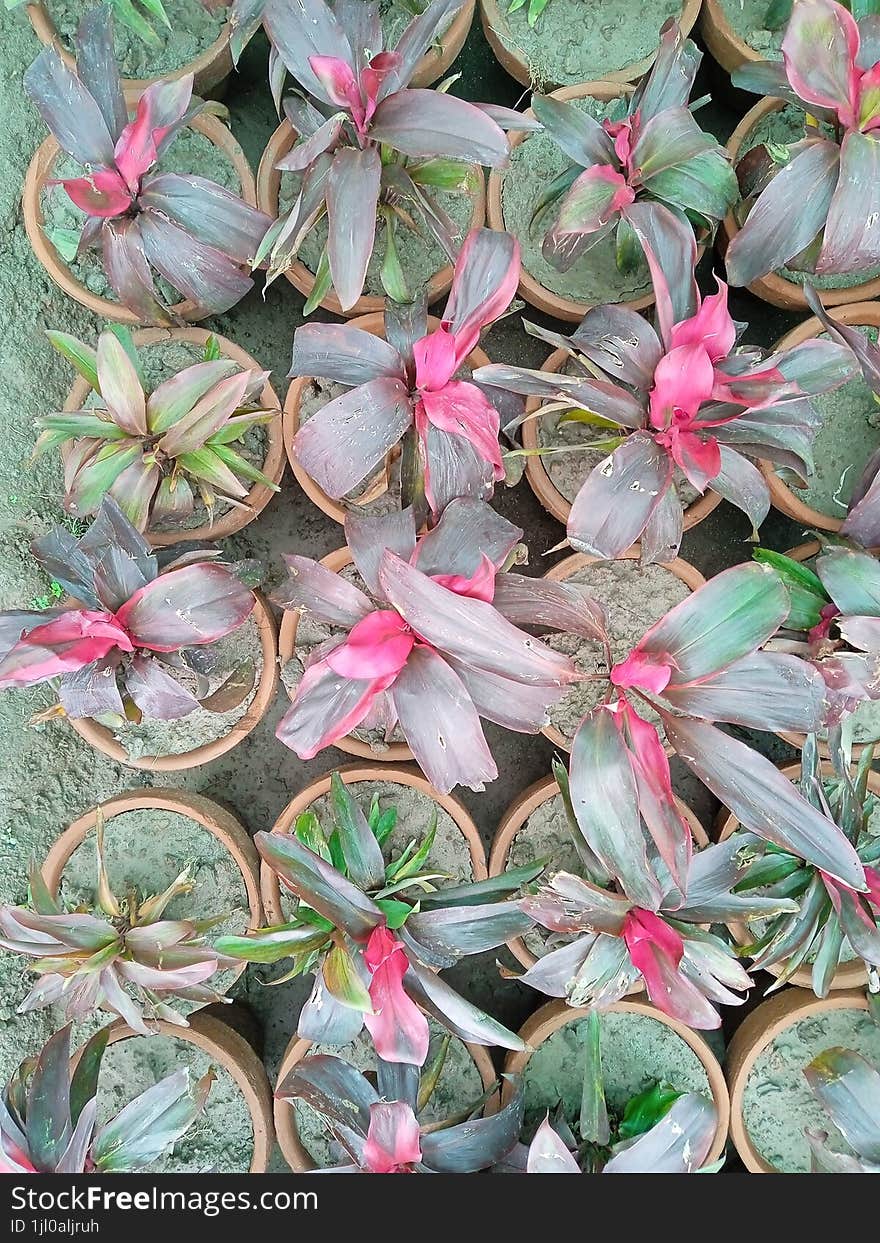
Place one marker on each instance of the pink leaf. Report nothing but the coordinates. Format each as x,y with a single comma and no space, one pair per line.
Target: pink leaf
486,276
372,78
341,86
622,133
683,380
480,585
102,193
376,647
644,927
819,49
463,410
392,1139
435,359
700,460
872,877
711,327
61,646
668,828
656,950
135,150
646,671
327,706
397,1025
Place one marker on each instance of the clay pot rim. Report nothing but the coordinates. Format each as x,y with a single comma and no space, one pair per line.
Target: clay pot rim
101,738
491,15
231,1051
545,489
683,570
273,464
725,45
514,819
767,1021
375,324
38,171
399,774
268,185
773,288
293,1149
209,68
433,66
213,818
554,1015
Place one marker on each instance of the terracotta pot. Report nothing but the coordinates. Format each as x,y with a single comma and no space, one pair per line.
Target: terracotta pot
722,41
563,570
848,974
773,288
273,465
493,17
447,45
268,189
209,68
513,821
295,1153
757,1030
543,486
405,775
232,1052
374,323
556,1014
40,170
395,752
102,739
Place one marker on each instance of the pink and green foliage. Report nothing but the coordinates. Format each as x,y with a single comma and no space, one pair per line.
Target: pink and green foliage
377,1127
848,1089
114,649
119,955
374,934
654,153
405,389
434,643
369,144
153,450
681,398
195,234
49,1109
814,205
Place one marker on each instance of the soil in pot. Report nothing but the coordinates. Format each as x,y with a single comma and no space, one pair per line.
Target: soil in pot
459,1085
575,42
746,19
449,854
190,153
634,597
777,1103
637,1050
534,163
221,1140
194,29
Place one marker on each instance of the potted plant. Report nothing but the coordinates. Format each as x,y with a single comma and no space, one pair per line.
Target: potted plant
374,201
161,670
568,190
105,179
804,156
673,403
403,395
180,449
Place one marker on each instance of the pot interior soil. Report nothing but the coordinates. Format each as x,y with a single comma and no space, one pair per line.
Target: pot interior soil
575,42
459,1085
145,850
777,1103
154,737
637,1050
746,19
534,163
193,29
190,153
634,597
449,854
221,1140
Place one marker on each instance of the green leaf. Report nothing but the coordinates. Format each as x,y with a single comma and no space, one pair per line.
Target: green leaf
578,414
384,824
126,340
441,173
101,473
41,899
82,356
343,982
84,1080
536,8
807,595
478,892
65,241
212,350
129,16
272,944
430,1076
396,913
363,857
239,465
778,14
82,423
627,250
391,273
420,858
646,1109
323,281
308,830
239,425
594,1126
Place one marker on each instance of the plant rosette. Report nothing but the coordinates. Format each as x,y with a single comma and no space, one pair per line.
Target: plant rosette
776,1021
511,45
268,192
701,1062
238,516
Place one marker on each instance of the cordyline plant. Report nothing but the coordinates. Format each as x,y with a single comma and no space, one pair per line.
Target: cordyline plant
198,236
829,918
436,643
604,942
374,934
377,1127
119,955
49,1107
848,1089
115,648
405,391
661,1131
369,145
813,205
654,153
153,450
681,398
